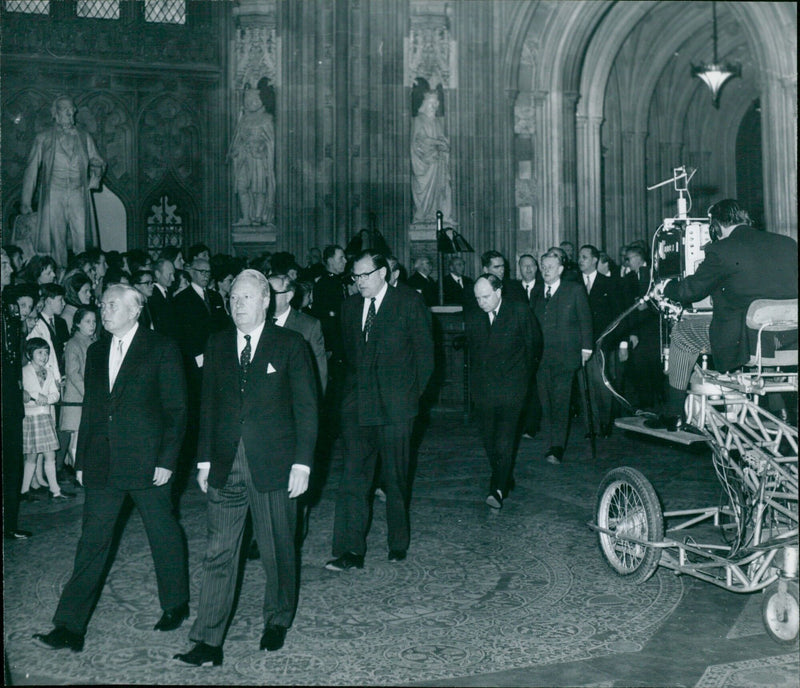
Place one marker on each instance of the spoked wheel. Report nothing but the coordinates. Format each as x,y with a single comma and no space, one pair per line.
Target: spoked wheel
627,505
780,611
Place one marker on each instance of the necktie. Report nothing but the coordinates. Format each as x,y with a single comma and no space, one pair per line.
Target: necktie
528,289
370,317
112,378
588,283
547,293
274,321
206,300
492,317
246,353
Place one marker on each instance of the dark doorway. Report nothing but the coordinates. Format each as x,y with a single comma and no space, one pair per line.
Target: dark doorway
749,176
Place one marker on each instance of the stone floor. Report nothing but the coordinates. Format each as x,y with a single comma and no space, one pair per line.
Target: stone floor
520,597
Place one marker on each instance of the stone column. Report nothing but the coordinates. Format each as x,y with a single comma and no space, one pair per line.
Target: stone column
589,177
633,189
569,170
779,143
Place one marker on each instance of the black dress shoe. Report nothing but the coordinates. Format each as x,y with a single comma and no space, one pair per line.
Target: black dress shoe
495,499
18,534
28,496
554,455
273,637
202,655
252,552
172,618
347,561
60,638
397,554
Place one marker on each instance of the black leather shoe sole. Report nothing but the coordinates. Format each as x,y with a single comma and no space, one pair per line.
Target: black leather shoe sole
201,655
273,638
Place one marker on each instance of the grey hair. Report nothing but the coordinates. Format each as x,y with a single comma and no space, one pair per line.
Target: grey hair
255,276
130,295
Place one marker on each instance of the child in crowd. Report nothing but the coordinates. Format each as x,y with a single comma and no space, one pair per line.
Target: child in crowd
39,394
27,302
84,327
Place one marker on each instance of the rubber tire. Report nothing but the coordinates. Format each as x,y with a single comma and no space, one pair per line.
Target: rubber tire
780,612
649,523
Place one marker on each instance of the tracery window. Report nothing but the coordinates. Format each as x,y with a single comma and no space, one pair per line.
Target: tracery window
165,11
164,226
27,6
98,9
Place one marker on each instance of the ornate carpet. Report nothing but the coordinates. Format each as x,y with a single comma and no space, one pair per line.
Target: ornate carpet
480,592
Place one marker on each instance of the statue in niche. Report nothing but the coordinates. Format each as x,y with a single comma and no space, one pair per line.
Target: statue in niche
430,163
253,156
67,166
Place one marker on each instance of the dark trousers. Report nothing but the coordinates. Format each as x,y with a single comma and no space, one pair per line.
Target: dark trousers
274,518
100,512
498,424
361,447
12,465
532,411
555,387
601,398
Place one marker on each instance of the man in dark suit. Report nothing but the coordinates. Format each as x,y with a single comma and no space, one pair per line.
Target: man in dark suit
256,446
199,312
501,340
134,415
161,308
456,285
528,290
745,264
643,373
605,303
422,281
388,361
144,282
566,324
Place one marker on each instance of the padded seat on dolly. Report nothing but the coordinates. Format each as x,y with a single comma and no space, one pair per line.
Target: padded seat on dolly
772,315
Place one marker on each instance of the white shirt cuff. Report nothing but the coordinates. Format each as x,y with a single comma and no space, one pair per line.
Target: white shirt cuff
199,360
204,465
302,467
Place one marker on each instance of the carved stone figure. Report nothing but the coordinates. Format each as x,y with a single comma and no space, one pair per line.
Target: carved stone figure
253,157
67,165
430,165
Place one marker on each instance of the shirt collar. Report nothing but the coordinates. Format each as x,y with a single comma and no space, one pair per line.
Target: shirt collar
255,336
281,319
553,287
127,338
379,296
200,291
530,284
161,289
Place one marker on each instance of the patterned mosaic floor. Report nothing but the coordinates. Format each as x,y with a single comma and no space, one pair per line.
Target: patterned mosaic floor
481,592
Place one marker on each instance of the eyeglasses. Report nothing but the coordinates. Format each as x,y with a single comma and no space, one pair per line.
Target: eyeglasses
364,275
148,283
202,272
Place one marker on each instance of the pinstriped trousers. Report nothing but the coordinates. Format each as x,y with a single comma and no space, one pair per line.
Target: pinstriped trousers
274,523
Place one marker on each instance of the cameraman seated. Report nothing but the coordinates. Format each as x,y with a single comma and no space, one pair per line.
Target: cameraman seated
741,264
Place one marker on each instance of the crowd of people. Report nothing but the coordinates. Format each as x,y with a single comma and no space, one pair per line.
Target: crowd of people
249,372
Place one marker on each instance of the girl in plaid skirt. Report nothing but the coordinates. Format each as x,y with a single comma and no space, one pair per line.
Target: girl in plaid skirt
39,393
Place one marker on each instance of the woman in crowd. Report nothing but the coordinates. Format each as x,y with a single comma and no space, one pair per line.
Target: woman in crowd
39,270
79,294
84,329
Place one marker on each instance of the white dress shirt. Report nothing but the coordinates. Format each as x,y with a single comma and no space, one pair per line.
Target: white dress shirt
528,287
280,320
589,279
241,342
117,354
378,302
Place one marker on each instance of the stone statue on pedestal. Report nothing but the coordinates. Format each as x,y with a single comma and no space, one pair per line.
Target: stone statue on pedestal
430,165
253,156
67,166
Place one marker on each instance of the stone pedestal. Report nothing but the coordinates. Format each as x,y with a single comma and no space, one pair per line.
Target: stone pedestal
251,240
451,374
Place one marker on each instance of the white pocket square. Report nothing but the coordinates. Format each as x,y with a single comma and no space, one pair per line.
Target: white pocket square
270,369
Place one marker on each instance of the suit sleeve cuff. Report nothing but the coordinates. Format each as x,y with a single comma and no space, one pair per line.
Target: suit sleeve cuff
201,465
302,467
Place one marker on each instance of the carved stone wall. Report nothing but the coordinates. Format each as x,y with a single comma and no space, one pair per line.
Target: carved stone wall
148,94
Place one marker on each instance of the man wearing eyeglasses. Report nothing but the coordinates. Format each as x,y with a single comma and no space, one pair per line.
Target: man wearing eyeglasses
388,356
143,281
199,312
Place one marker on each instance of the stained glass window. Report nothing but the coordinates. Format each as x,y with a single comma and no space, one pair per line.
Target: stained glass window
164,226
98,9
165,11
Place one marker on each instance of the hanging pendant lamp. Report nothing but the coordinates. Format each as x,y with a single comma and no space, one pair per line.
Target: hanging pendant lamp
715,74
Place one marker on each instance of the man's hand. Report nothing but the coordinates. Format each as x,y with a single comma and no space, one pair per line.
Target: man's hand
202,478
586,354
79,477
161,476
634,341
298,482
